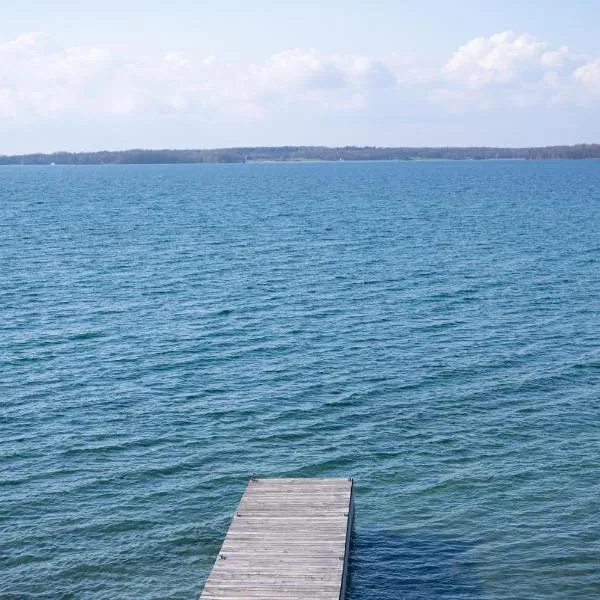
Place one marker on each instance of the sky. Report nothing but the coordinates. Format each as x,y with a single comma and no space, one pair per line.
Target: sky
77,75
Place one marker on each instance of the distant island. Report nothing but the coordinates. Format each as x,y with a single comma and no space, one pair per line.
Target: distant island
301,153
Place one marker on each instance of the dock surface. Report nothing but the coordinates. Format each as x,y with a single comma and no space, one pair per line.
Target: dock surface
289,539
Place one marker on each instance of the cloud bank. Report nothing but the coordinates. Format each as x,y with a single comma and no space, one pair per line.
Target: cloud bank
42,80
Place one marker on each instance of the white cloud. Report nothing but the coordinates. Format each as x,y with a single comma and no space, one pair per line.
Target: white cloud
307,79
507,59
295,69
41,79
498,59
308,70
521,71
589,75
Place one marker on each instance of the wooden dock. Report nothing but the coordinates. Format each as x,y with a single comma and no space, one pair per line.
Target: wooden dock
289,540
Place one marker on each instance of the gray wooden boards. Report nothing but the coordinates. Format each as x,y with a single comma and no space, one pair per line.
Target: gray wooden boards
289,540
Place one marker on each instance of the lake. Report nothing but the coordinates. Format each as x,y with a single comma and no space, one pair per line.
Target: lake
431,329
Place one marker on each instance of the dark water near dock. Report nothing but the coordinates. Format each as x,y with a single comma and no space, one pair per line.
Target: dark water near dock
431,329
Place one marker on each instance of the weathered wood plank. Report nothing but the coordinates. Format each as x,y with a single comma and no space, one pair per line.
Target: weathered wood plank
289,540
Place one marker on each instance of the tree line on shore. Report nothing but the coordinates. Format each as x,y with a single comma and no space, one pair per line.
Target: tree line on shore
301,153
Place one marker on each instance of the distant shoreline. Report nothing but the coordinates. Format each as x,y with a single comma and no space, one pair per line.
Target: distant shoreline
302,154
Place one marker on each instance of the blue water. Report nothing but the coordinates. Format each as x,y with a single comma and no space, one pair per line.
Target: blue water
430,328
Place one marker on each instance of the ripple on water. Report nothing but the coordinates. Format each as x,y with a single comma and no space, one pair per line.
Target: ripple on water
428,328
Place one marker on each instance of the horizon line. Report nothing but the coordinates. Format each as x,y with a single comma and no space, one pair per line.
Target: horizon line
300,146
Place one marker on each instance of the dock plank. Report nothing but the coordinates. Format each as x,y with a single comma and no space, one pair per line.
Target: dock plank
288,540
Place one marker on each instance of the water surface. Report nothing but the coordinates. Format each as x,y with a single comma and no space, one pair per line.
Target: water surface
430,328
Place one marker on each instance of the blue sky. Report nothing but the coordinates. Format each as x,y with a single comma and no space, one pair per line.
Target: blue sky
81,75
